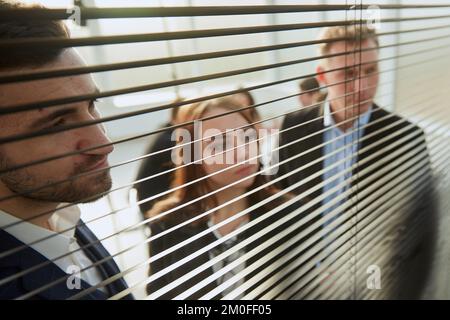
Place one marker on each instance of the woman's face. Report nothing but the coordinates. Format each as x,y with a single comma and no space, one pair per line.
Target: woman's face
228,149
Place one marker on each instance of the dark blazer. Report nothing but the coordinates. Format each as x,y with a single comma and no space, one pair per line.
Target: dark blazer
153,165
26,258
313,119
416,262
181,234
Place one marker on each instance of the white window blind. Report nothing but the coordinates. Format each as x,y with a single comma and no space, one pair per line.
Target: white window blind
370,224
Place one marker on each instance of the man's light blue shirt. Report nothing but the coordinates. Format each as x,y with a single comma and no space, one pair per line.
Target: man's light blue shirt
335,139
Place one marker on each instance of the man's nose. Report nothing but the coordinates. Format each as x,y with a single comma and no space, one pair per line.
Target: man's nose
356,84
94,137
361,85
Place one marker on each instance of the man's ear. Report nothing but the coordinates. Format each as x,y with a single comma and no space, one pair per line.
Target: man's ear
320,76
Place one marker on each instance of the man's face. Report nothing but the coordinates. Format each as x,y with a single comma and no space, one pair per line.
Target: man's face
28,150
361,71
232,150
307,99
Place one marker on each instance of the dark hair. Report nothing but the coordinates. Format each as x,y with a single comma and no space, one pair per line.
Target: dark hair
309,84
10,30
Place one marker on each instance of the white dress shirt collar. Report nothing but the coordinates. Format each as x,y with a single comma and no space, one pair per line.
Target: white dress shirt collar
328,119
60,245
56,242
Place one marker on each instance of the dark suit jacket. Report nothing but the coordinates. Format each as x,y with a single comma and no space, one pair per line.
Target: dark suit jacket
420,207
26,258
181,234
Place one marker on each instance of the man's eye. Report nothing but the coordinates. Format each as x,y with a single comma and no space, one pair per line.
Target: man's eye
59,122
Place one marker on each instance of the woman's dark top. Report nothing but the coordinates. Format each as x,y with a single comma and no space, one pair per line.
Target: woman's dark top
175,237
